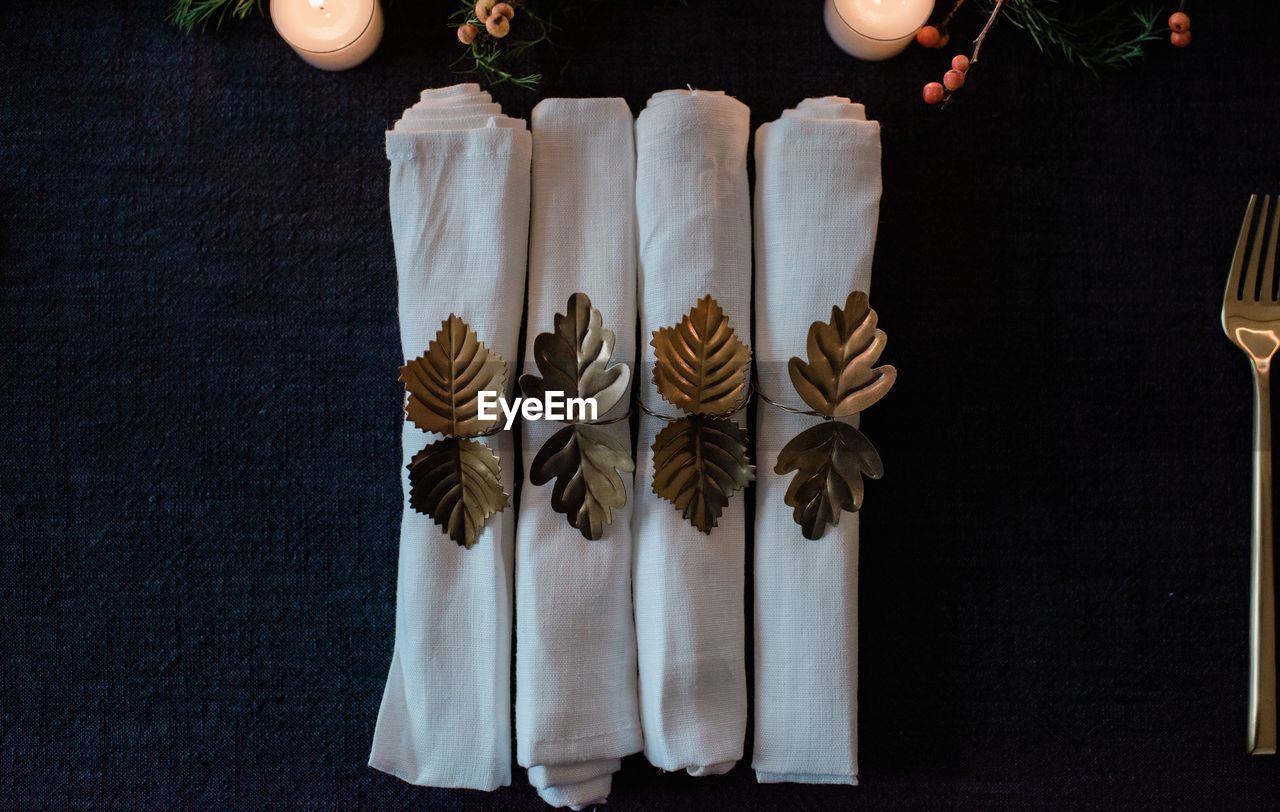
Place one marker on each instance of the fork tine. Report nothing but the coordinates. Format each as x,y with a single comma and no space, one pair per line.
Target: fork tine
1252,279
1234,280
1269,264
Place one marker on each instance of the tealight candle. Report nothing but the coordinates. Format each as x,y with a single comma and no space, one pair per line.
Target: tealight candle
875,29
329,34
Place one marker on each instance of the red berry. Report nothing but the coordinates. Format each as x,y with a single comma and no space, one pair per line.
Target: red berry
960,62
946,37
1180,39
929,37
933,93
953,80
1179,22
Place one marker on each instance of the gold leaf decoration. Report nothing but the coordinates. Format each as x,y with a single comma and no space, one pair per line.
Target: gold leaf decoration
444,383
699,461
830,460
701,366
574,359
584,461
456,482
839,379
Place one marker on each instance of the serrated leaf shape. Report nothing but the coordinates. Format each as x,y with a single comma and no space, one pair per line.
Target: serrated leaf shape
700,365
458,484
830,460
698,462
574,359
445,382
584,461
839,379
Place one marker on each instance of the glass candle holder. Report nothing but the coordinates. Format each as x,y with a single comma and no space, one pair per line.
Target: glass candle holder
329,34
875,29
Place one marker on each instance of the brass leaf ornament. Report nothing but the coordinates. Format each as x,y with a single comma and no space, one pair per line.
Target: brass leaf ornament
584,461
830,459
457,483
444,383
701,366
574,359
840,378
699,461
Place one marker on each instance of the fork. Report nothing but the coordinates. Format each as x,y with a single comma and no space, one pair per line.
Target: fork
1251,318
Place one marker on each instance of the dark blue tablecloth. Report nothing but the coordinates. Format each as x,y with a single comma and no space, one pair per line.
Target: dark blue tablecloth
199,496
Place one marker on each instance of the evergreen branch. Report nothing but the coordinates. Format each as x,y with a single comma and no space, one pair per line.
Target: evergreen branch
191,14
1109,38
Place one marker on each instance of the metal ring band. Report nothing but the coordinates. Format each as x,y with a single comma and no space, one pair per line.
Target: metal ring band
652,413
610,421
790,409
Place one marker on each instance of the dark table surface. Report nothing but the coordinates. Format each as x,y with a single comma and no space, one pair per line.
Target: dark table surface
199,498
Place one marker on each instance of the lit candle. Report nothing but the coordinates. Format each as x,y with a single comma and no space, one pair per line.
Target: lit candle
875,29
330,34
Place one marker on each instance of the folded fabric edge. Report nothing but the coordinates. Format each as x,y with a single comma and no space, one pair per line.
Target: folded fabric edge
392,767
717,768
461,89
617,743
804,778
579,796
695,770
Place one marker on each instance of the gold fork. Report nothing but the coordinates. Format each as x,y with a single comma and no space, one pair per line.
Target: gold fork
1251,317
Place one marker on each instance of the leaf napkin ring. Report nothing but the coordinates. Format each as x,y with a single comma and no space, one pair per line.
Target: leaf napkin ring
837,381
455,481
582,458
701,368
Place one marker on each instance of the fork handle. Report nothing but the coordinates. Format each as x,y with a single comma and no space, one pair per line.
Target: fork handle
1262,604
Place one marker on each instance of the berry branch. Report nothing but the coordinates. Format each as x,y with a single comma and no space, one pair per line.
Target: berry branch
954,79
483,28
946,21
977,44
1107,38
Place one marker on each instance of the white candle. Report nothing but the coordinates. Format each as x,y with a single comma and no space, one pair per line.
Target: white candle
330,34
875,29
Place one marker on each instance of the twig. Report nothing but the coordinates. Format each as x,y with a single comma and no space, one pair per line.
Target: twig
982,35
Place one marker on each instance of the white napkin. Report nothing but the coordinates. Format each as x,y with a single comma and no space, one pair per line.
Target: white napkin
817,206
576,711
459,221
693,213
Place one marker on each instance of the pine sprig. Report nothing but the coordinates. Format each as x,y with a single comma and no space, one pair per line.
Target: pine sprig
189,15
1106,38
488,59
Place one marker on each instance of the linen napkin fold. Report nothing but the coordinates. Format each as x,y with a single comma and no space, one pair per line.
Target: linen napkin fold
464,89
694,222
576,707
459,221
817,207
459,109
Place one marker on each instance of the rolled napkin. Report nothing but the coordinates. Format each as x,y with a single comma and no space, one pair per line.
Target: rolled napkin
694,223
576,711
459,221
817,206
